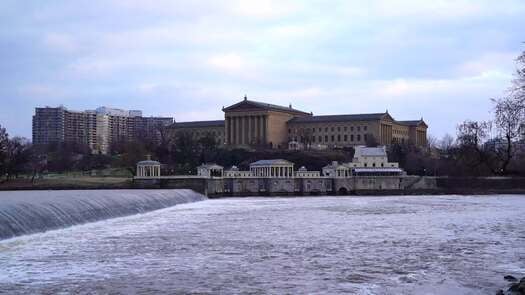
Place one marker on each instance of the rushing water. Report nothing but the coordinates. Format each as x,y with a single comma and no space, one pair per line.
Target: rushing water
357,245
37,211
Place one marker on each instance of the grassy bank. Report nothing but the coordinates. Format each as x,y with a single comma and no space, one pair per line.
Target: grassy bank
67,182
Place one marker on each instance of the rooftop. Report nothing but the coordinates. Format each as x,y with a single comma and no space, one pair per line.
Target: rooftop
199,124
362,151
271,162
264,105
148,163
339,118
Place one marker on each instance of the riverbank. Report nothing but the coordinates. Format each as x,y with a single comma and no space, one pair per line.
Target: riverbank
68,183
444,186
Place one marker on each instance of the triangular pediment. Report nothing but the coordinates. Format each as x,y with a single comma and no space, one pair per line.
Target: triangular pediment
250,105
244,106
387,117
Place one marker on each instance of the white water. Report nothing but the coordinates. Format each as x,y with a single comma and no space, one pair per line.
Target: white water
321,245
37,211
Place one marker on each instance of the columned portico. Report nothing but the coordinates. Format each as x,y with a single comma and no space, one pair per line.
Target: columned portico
246,130
272,169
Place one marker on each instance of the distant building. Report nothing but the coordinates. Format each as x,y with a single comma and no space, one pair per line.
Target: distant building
367,161
251,123
97,129
200,129
210,170
371,161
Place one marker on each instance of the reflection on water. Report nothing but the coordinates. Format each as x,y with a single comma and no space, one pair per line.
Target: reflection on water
360,245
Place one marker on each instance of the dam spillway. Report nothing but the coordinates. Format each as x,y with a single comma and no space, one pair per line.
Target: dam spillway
26,212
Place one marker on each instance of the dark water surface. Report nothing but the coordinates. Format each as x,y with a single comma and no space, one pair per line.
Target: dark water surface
321,245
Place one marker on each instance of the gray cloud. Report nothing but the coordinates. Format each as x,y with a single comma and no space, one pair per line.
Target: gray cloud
190,58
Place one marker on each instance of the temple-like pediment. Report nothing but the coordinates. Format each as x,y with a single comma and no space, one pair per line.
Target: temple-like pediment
250,105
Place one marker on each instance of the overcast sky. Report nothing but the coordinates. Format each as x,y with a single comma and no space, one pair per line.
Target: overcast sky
440,60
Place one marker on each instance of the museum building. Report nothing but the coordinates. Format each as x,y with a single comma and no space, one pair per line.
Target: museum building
252,124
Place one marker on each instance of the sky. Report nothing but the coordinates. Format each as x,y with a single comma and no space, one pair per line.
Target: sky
438,60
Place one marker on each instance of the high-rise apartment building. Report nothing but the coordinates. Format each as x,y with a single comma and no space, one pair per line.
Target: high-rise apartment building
97,129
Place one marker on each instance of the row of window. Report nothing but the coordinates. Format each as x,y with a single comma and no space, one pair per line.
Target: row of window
333,138
338,128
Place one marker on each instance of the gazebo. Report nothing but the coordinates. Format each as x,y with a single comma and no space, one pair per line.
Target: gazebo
148,168
210,170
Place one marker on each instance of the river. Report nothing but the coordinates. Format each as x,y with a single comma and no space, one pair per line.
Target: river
300,245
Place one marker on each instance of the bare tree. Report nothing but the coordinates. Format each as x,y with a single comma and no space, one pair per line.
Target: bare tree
446,143
471,138
432,141
509,113
19,154
4,144
518,91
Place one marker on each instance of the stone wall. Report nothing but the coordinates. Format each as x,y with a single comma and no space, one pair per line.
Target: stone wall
341,186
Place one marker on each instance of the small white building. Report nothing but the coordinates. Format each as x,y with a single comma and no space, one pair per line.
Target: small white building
210,170
336,170
373,161
148,168
304,173
234,172
277,168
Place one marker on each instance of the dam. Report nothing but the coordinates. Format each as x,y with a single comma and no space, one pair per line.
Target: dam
27,212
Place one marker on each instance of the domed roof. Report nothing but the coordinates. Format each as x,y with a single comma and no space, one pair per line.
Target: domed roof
148,163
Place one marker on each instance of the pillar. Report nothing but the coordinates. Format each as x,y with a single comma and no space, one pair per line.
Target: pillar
262,129
238,130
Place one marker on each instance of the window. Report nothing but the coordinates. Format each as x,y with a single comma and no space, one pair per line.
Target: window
374,164
366,137
289,131
333,137
351,137
313,138
338,129
319,129
326,138
320,138
345,128
332,129
365,127
358,128
345,137
326,129
338,137
359,137
351,128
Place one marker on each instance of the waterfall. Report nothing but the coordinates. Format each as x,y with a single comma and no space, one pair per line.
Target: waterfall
26,212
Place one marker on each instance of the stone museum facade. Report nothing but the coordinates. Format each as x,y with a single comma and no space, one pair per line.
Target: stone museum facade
254,124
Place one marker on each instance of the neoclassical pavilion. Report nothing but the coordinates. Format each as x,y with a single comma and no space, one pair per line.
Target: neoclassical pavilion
148,168
278,168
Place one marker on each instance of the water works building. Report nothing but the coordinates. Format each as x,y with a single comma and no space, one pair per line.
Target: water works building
369,170
251,123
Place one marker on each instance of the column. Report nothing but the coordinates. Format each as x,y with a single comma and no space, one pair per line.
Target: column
246,130
263,129
225,130
238,130
250,130
258,128
233,136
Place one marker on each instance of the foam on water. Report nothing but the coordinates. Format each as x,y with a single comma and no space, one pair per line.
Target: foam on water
38,211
